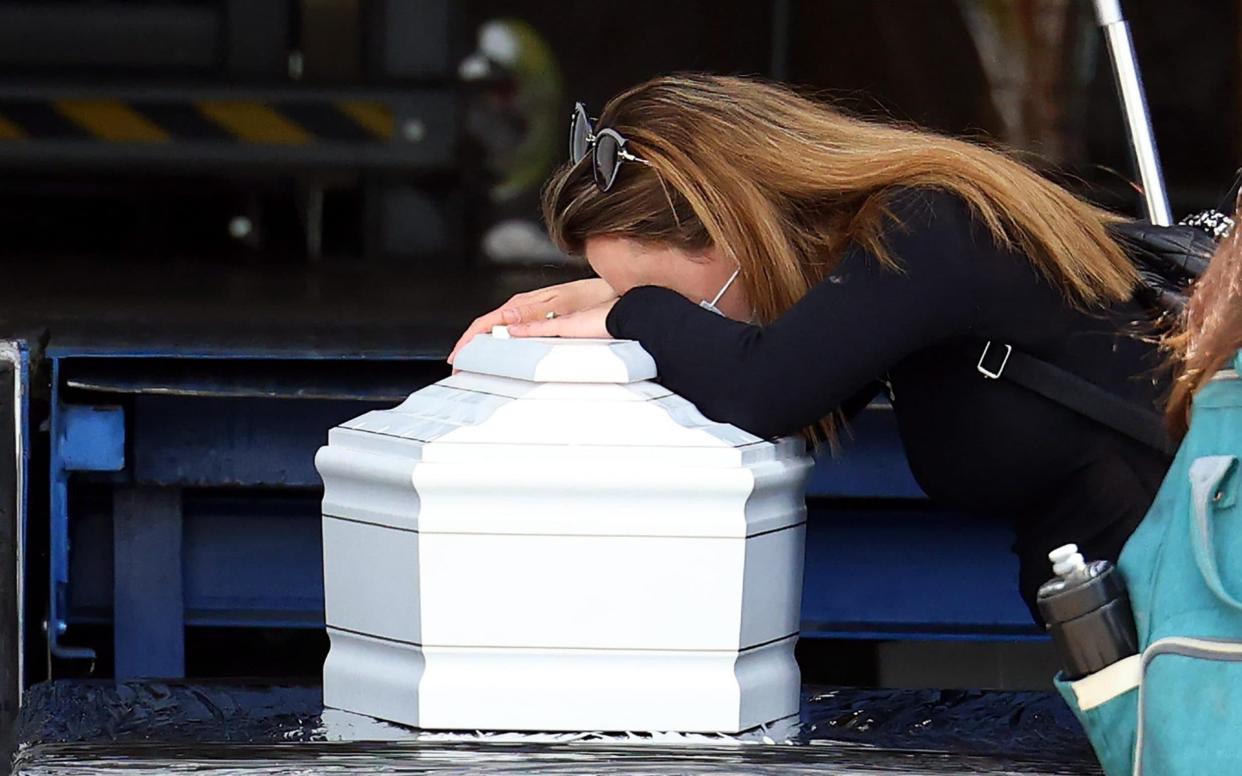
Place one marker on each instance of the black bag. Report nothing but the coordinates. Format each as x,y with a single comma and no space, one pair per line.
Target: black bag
1170,259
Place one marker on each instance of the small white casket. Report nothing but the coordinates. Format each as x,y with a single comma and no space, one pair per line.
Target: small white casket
548,540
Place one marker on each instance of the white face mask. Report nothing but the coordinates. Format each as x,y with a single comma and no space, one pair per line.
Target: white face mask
706,305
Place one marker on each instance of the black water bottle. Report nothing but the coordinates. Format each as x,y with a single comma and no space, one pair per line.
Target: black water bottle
1088,613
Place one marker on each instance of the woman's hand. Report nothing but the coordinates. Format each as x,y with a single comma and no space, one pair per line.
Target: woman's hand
562,299
584,323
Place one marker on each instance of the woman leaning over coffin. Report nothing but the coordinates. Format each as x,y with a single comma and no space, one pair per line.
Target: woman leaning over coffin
783,262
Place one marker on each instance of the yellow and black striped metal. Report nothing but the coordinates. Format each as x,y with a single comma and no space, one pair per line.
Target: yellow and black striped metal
409,130
272,122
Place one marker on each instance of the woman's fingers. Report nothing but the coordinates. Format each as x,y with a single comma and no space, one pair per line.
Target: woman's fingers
533,307
511,312
529,312
478,326
584,323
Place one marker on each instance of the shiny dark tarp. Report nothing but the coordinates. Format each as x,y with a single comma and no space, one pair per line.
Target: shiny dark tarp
99,727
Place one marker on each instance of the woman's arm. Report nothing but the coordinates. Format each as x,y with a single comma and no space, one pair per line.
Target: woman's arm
844,334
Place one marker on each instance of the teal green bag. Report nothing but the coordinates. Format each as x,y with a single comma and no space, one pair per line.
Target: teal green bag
1176,708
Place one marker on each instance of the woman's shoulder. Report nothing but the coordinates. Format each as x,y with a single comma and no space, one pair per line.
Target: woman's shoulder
926,206
937,240
927,217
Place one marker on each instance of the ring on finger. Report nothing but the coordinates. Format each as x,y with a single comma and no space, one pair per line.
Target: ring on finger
550,315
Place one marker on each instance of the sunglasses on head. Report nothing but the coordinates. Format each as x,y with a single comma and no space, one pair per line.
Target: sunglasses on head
607,148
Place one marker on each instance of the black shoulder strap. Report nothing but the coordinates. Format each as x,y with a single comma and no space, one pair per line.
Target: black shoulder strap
1000,361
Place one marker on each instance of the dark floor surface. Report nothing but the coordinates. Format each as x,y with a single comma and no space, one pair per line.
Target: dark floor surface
101,727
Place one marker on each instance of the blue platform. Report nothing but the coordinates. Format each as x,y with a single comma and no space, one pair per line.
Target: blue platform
183,493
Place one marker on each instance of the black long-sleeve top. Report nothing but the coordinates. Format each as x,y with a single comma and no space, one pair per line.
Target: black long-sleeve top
985,446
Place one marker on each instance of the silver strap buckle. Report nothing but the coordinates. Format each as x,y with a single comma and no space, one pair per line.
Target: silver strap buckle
1000,369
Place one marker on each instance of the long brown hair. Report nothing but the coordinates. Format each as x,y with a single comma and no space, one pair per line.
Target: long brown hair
1211,330
782,184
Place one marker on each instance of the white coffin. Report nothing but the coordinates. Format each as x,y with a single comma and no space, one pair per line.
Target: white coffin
548,540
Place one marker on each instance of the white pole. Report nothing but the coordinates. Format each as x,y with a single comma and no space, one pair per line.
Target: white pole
1134,105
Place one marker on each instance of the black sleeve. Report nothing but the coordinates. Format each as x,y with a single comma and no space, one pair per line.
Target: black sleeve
842,336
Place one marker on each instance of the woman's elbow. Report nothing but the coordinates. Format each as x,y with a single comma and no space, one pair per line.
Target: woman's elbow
761,417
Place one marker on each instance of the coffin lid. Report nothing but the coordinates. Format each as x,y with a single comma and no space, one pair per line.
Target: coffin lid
615,455
557,399
556,360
